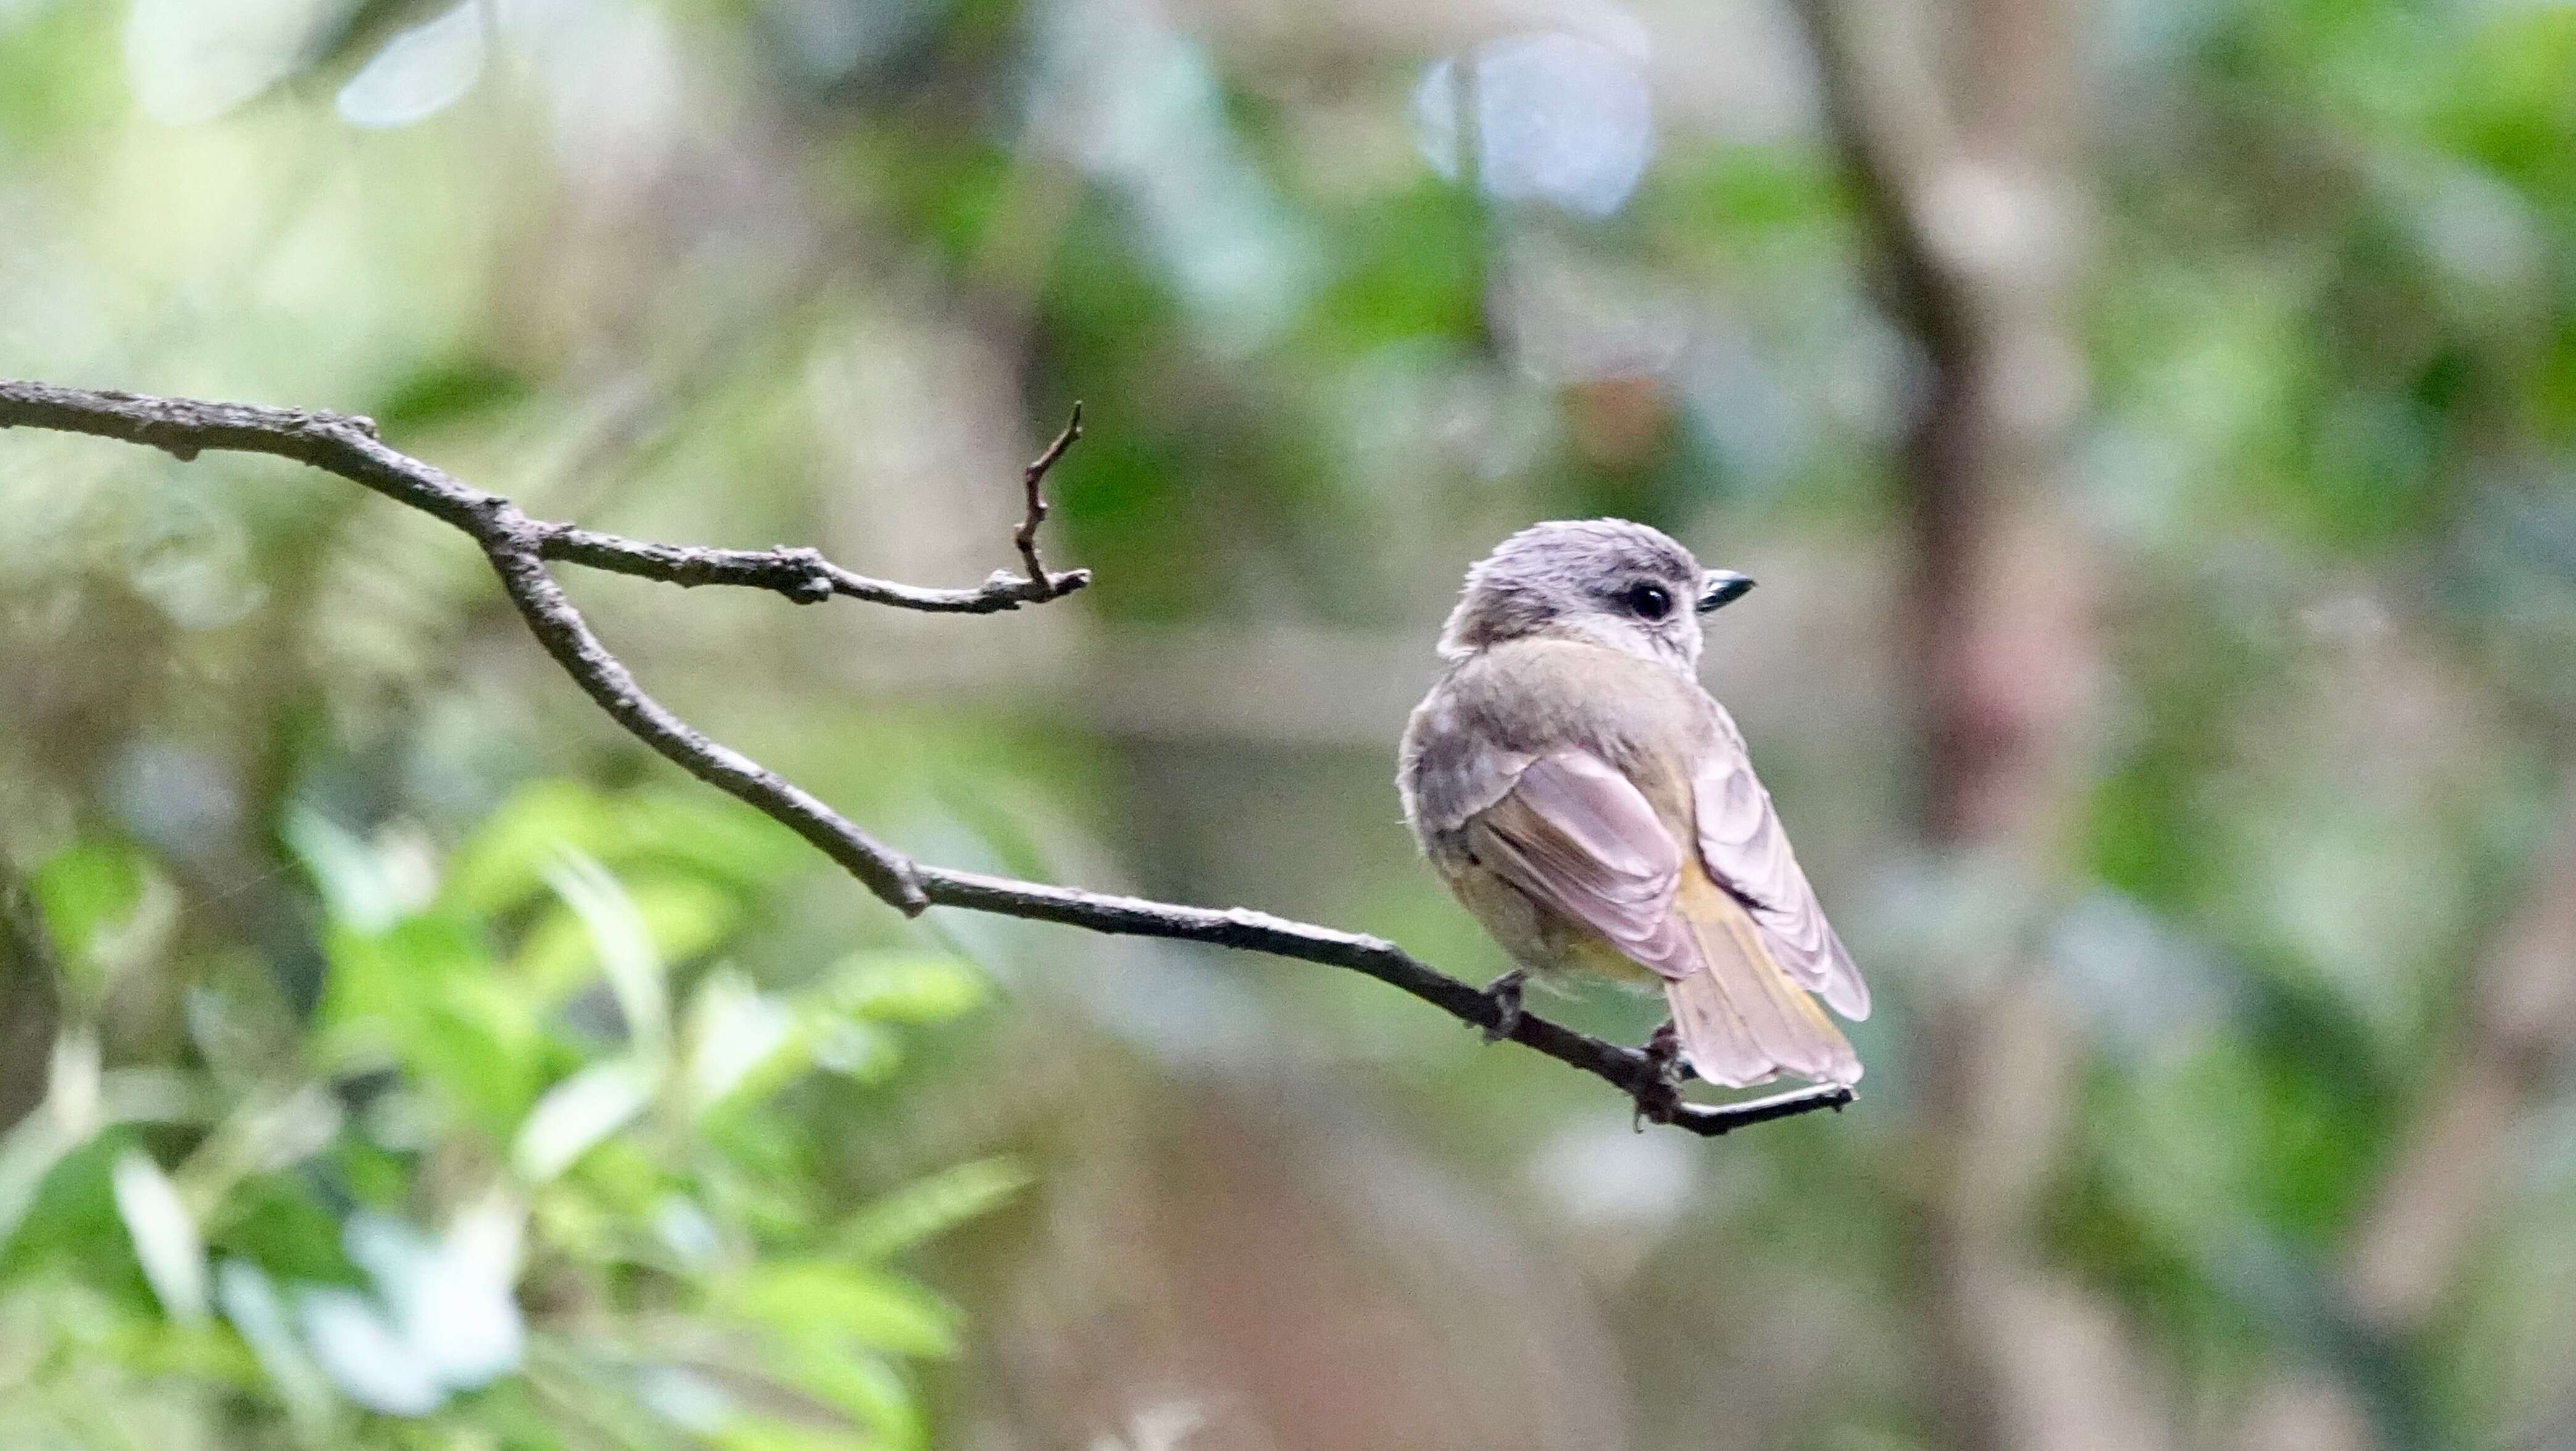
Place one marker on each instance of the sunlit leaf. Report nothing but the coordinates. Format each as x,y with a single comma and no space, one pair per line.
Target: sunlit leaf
929,1207
853,1048
251,1302
685,1398
191,61
349,1336
426,995
715,839
627,935
381,983
824,1301
420,72
451,1298
685,1230
154,1096
81,1102
88,889
364,888
576,1114
164,1231
735,1033
624,950
505,861
268,1132
206,1352
863,1387
29,1150
775,1435
103,904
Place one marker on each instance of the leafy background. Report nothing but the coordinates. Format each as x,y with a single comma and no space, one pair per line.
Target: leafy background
398,1056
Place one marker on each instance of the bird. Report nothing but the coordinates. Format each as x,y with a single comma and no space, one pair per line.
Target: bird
1595,808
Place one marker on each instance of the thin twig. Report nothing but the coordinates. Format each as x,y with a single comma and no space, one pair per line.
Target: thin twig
801,574
519,548
1033,481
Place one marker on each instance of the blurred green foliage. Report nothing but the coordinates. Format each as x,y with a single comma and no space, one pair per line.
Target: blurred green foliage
539,1168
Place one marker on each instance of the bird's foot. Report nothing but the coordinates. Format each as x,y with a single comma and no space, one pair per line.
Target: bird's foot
1505,994
1659,1094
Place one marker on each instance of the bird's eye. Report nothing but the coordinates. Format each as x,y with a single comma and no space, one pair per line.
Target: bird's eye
1648,601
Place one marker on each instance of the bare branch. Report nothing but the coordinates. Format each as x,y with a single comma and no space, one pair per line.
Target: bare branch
801,574
1250,931
1033,480
568,637
346,445
519,548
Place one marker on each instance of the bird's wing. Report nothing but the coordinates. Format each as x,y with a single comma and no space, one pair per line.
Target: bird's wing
1746,851
1579,838
1741,1018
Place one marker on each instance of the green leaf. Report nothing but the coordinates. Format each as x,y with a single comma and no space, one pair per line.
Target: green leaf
363,888
740,1041
164,1230
505,861
29,1150
480,1042
97,900
628,954
863,1387
819,1301
718,840
576,1115
903,987
382,981
426,995
628,931
758,1434
444,390
853,1048
928,1207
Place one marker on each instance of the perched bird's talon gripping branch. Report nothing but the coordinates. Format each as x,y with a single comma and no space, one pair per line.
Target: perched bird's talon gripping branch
520,549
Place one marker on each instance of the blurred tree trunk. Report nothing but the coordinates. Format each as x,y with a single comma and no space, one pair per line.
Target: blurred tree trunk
1972,183
2441,1189
29,1005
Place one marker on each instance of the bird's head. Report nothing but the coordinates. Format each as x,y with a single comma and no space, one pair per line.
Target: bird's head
1605,581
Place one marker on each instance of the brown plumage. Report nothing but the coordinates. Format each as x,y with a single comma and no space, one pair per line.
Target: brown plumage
1596,810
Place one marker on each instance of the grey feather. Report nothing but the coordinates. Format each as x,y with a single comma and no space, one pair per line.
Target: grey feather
1577,836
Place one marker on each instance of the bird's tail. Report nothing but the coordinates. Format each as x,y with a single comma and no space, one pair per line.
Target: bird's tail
1741,1020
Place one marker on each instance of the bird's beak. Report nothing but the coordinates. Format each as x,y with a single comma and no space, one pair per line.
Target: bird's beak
1722,587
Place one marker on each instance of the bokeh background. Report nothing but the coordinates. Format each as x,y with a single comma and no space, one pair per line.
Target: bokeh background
2152,424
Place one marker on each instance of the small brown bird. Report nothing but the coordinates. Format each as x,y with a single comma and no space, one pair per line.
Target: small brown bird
1594,806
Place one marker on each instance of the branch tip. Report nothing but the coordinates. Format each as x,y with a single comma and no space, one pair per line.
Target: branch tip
1042,585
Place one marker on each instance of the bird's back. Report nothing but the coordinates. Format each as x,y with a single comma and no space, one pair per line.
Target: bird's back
1501,708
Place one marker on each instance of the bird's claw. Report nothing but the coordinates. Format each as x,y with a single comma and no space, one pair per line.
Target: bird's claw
1505,994
1659,1094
